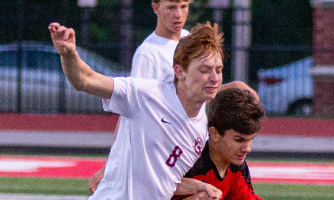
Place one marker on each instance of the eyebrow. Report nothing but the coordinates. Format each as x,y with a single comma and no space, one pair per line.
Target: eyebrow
243,137
209,66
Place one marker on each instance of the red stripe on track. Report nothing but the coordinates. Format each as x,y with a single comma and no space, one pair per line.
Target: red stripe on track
49,167
290,126
292,172
84,168
293,126
94,123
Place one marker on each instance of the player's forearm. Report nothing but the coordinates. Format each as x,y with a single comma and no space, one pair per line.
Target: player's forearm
96,179
189,186
83,78
233,84
75,70
239,84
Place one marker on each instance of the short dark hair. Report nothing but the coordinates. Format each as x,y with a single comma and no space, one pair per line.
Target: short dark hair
235,109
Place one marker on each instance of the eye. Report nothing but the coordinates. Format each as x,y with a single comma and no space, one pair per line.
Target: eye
239,140
204,69
219,70
171,7
184,6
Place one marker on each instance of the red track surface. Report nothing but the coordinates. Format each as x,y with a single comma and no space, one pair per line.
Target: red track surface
49,167
83,168
107,122
290,172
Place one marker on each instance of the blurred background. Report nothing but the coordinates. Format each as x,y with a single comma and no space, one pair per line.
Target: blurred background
284,49
269,44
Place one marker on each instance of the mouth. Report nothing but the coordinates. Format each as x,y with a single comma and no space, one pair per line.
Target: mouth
211,89
178,24
241,157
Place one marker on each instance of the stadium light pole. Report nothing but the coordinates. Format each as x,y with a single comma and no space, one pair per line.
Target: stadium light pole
217,6
126,31
241,39
87,5
21,20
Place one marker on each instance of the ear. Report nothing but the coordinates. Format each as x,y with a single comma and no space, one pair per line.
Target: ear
155,7
214,135
178,71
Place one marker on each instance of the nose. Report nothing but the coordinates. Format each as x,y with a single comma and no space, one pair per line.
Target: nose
178,12
214,77
247,147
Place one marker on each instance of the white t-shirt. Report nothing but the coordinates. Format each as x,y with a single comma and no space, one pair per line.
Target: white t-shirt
157,143
153,59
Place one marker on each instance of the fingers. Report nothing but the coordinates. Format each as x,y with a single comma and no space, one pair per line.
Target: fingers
199,196
68,33
213,192
217,194
91,189
56,28
91,185
53,26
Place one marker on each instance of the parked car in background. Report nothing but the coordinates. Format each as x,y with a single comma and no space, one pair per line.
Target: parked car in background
32,81
287,90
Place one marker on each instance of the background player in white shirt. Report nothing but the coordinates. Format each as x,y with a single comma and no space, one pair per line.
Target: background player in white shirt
163,131
153,59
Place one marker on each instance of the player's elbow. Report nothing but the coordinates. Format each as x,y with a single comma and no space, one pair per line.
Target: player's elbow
79,85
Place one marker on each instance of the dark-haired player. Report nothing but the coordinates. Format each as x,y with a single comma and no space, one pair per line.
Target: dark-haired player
234,120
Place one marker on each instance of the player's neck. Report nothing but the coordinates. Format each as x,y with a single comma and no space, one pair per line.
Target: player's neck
191,107
166,33
218,160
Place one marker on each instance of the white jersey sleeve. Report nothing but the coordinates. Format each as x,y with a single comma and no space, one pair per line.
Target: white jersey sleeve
129,96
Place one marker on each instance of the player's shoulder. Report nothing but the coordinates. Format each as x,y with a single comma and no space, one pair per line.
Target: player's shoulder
148,44
238,168
137,81
243,169
203,165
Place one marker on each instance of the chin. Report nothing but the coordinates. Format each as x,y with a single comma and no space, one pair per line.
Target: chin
239,162
212,96
177,30
208,98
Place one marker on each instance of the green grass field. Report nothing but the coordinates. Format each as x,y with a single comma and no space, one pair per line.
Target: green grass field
44,186
79,187
294,192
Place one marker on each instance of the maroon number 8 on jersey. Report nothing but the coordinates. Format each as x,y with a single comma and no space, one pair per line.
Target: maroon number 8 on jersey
176,153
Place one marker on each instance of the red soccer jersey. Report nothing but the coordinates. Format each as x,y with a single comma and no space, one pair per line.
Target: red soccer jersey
236,185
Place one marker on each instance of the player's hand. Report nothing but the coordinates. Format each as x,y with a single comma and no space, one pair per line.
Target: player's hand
243,85
200,196
95,179
211,192
240,85
63,39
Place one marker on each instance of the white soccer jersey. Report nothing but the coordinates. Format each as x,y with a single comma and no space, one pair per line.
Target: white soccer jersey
157,142
153,59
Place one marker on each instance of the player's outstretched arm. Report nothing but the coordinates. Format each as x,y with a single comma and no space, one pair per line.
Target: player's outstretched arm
95,179
239,84
193,186
80,75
